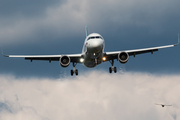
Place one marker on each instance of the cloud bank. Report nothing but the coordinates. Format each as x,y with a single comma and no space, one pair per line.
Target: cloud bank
95,95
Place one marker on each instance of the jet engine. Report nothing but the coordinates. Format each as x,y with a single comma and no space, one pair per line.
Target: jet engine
64,61
123,57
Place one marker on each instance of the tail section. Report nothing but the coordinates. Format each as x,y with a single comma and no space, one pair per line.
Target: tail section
178,38
86,30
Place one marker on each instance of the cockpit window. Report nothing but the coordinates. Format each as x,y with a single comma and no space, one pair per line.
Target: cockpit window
97,37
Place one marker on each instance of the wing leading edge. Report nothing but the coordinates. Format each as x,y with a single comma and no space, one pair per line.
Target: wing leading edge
114,55
73,57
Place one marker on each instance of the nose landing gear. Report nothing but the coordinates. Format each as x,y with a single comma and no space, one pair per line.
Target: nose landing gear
74,70
112,68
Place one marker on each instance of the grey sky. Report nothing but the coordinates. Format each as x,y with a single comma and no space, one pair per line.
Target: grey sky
57,27
30,19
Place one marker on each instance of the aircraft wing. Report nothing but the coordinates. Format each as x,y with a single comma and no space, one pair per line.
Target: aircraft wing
168,105
73,57
162,104
114,55
158,104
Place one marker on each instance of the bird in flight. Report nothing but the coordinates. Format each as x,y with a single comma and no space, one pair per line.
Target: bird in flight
163,105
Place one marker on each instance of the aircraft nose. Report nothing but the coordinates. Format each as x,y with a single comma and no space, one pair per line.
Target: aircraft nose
95,44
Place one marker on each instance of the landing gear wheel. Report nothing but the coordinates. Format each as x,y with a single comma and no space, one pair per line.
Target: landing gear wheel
76,72
115,70
72,72
110,70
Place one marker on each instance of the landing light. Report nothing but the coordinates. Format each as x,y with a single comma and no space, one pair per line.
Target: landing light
81,60
104,58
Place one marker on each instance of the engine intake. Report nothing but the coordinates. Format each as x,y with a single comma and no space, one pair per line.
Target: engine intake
123,57
64,61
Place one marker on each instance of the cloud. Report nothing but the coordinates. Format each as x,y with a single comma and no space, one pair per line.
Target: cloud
26,8
94,95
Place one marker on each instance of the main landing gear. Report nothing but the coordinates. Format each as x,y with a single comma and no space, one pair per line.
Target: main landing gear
112,68
74,70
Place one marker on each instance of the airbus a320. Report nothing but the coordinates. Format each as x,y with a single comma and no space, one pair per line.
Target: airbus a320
92,54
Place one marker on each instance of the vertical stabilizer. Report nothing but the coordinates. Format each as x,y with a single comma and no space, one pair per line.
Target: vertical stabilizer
178,38
86,30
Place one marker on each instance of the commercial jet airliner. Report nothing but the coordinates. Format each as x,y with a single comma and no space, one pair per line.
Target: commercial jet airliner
92,54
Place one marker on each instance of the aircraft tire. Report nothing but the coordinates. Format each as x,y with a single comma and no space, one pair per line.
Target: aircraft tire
72,72
110,70
76,72
115,69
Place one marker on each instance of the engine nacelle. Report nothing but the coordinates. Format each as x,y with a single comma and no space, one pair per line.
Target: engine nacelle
123,57
64,61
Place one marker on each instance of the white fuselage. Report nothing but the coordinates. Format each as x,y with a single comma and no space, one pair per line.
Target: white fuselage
93,50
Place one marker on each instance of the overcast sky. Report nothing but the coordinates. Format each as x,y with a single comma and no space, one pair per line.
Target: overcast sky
58,27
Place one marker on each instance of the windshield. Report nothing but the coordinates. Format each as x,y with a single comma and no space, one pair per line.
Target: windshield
97,37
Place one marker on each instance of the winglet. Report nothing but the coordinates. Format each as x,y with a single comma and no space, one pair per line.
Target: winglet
86,30
3,53
178,41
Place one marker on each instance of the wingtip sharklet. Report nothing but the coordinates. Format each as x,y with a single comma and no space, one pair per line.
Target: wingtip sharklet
178,41
3,53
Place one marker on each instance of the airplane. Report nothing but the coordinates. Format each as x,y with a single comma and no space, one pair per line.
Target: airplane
162,105
92,54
